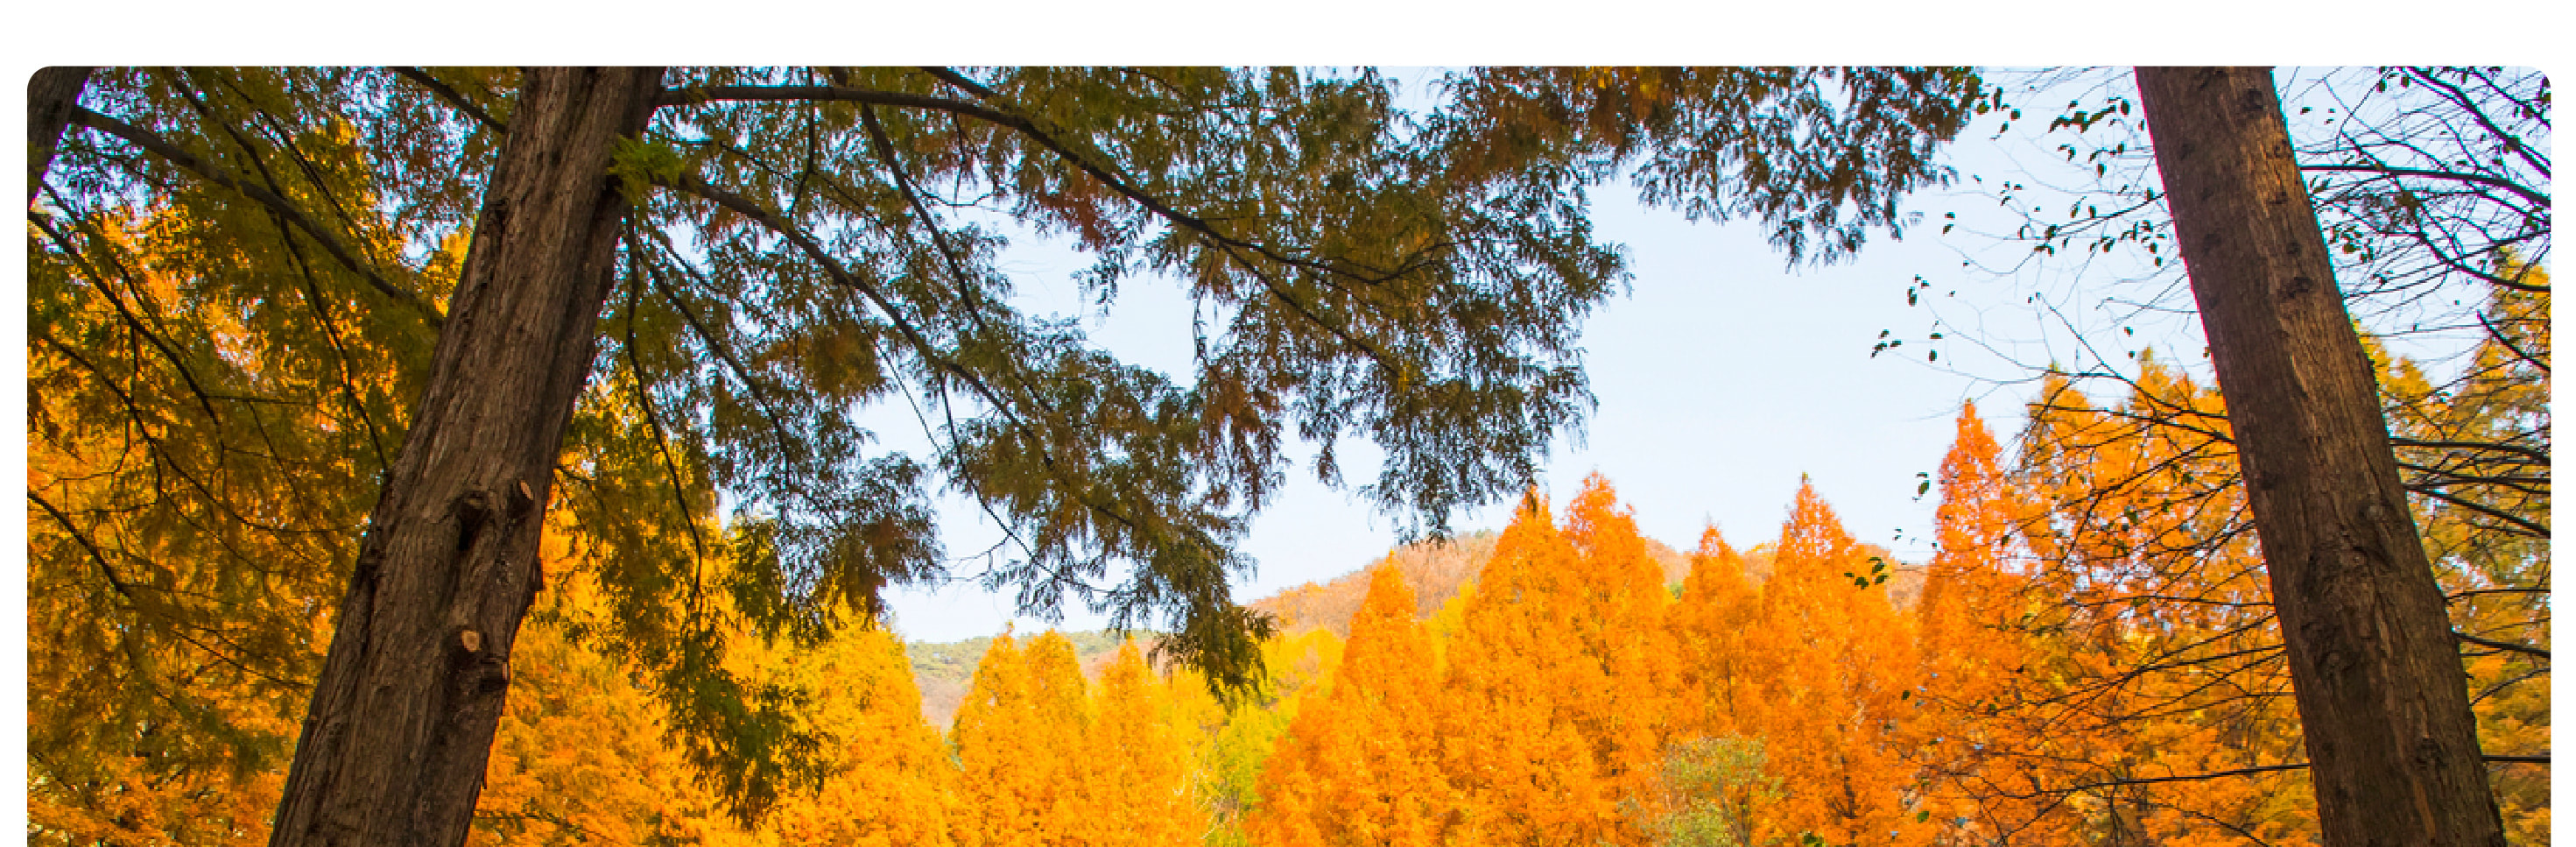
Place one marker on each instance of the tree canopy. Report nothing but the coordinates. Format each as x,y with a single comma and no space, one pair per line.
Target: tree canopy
237,277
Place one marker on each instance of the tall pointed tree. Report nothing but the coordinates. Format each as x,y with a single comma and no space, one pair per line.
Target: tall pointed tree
887,778
1138,776
1709,622
1361,765
1019,739
1836,667
1561,677
1522,769
1969,611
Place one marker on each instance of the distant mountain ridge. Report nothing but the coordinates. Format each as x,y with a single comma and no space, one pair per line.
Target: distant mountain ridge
1435,570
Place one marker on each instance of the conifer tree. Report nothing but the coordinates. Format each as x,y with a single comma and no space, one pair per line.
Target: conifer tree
1361,765
1139,780
1619,622
1019,746
1835,665
1559,692
1708,622
1237,759
888,781
1972,628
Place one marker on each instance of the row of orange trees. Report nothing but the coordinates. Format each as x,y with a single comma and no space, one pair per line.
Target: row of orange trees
2091,659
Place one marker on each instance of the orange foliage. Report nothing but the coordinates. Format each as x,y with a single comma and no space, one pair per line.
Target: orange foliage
1971,623
1019,746
1709,624
1561,679
1832,668
580,753
891,783
2154,654
1361,766
1138,763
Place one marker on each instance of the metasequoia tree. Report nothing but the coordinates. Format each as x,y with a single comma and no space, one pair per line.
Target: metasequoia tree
1560,678
457,264
1361,764
2391,740
1138,759
1522,771
887,777
1021,749
1832,665
2155,703
1708,621
206,433
1970,625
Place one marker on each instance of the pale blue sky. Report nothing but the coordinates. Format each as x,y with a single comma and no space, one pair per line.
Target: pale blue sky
1722,378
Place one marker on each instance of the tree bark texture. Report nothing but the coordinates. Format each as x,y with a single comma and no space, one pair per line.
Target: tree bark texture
401,723
2392,745
50,95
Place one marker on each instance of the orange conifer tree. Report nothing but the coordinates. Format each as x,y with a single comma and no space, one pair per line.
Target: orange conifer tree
1561,679
1972,635
891,784
1708,623
1835,667
1019,747
1139,768
1361,766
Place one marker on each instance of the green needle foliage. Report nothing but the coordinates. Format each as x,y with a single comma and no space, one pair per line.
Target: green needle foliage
236,277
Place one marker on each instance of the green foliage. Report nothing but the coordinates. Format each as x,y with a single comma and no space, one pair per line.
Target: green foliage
1709,787
1229,769
1877,573
223,387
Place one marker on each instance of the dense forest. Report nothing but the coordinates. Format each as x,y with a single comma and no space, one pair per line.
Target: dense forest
1560,687
436,456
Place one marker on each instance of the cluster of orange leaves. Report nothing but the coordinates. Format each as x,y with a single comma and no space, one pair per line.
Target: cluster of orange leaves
1550,711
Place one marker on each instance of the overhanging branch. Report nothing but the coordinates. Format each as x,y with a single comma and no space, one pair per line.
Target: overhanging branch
1233,247
162,147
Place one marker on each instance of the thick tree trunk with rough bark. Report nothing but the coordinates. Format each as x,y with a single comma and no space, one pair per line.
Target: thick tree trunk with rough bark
2392,745
401,724
50,95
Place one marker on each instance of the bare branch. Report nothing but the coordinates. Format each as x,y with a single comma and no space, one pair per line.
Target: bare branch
2507,646
2535,197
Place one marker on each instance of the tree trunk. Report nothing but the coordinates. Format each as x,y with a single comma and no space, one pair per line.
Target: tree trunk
50,95
394,745
2392,745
